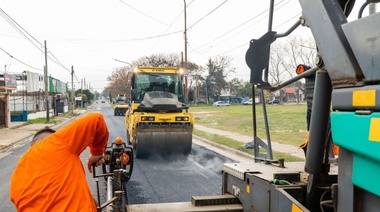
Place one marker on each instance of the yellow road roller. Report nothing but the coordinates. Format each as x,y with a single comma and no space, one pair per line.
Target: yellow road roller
120,105
157,119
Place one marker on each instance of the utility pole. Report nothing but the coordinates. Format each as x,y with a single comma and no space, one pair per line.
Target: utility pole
372,8
46,84
197,84
81,92
72,89
186,67
125,63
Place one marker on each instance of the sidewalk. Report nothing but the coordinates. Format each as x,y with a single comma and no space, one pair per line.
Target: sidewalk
285,148
20,133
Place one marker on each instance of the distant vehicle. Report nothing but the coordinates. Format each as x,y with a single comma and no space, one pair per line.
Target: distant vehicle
220,103
274,102
248,102
120,105
103,101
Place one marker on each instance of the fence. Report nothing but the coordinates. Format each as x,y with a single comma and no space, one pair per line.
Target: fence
34,102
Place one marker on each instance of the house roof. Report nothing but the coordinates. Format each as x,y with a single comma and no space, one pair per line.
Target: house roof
290,89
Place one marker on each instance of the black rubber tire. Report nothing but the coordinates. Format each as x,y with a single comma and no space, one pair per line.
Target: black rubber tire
137,153
128,140
134,145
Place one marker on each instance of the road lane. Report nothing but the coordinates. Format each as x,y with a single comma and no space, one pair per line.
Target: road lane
154,179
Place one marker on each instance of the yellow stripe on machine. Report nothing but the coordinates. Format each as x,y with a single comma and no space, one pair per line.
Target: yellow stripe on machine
374,132
364,98
295,208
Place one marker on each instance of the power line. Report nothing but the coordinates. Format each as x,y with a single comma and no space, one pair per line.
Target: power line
139,11
28,36
19,29
14,23
20,60
274,28
242,24
298,15
115,41
175,19
141,38
208,14
58,62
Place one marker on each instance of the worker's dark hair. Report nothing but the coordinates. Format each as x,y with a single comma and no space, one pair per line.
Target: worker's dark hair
39,132
45,129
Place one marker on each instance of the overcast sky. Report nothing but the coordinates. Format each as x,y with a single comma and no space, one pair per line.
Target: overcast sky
90,34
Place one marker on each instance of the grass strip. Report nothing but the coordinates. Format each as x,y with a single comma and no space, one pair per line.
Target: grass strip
231,143
42,120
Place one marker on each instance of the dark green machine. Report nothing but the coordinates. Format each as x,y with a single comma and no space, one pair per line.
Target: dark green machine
345,110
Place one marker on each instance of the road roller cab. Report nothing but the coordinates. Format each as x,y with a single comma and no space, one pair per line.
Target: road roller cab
157,120
120,105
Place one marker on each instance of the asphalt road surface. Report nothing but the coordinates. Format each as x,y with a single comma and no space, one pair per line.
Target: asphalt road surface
154,179
174,179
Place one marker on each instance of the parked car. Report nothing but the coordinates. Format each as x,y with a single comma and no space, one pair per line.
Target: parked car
220,103
274,102
248,102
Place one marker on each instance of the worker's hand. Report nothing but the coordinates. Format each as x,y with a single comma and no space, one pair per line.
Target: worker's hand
94,159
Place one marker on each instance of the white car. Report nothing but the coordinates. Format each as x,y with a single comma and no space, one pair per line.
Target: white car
220,103
249,102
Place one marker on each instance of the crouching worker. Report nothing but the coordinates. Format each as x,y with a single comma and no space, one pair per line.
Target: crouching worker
50,176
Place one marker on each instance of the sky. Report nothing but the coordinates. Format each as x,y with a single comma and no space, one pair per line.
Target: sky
92,36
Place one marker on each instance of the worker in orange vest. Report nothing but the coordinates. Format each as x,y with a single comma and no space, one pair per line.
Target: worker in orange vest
50,176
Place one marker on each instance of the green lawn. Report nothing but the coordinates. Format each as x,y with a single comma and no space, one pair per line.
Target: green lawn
287,122
239,146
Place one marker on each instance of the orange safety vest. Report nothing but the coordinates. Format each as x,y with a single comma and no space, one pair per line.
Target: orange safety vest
50,176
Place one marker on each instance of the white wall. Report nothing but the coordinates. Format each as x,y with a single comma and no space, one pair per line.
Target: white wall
41,114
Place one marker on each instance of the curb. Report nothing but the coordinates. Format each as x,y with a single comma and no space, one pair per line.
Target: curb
27,139
22,141
237,152
21,125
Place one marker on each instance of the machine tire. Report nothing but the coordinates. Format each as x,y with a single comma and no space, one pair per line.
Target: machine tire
187,151
135,152
128,140
138,154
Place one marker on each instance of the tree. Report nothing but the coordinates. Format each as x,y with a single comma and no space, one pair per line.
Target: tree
96,95
286,56
218,69
118,82
86,94
196,81
160,60
234,85
245,90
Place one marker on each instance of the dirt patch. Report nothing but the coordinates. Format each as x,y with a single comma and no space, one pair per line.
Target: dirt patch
205,112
